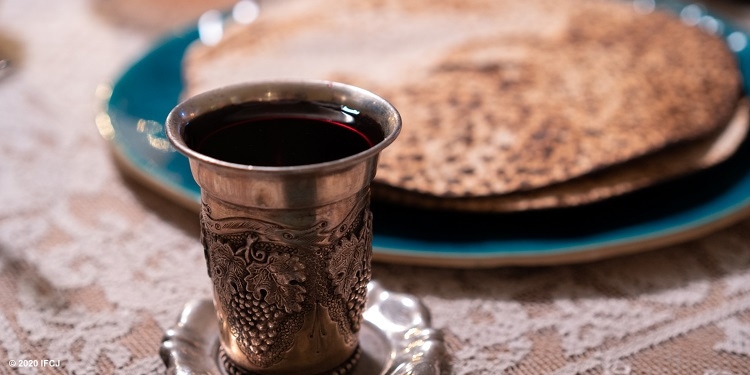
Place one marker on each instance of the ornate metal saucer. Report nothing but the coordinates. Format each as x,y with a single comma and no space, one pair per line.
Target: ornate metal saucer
395,338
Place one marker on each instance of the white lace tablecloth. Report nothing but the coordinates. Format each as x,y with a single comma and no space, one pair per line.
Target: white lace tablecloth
94,268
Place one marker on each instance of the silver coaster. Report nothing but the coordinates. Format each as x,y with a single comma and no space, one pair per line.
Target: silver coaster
395,338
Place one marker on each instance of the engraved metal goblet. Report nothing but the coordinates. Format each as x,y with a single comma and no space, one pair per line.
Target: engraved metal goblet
288,248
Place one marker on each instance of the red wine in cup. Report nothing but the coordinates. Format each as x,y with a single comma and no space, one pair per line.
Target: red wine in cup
282,134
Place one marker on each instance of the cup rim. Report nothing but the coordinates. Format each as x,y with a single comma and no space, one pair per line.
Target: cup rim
240,93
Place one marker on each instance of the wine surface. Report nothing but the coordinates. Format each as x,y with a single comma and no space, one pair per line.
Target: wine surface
281,134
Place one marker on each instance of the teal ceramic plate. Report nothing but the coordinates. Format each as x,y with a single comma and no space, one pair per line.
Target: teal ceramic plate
135,105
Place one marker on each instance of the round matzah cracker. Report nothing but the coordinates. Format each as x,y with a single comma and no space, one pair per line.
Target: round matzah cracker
661,166
609,90
499,96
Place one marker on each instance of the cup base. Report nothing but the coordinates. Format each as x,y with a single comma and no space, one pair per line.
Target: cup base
395,335
343,369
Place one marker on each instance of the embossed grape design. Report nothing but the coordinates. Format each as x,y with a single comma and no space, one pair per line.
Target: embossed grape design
258,317
260,286
260,268
350,270
356,303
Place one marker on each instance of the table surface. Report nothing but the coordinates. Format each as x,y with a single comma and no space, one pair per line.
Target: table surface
94,267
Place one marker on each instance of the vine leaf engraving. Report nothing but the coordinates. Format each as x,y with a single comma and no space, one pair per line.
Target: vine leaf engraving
226,269
349,270
347,266
277,281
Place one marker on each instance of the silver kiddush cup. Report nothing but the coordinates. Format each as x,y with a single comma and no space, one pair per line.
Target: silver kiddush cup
288,247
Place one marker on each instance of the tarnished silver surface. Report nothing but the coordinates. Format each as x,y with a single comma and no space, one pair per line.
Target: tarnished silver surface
288,248
288,296
415,347
396,338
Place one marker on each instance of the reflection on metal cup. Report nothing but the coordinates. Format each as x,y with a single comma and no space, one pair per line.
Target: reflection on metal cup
288,247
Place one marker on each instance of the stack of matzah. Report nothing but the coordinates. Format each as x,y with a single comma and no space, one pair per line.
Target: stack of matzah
506,105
